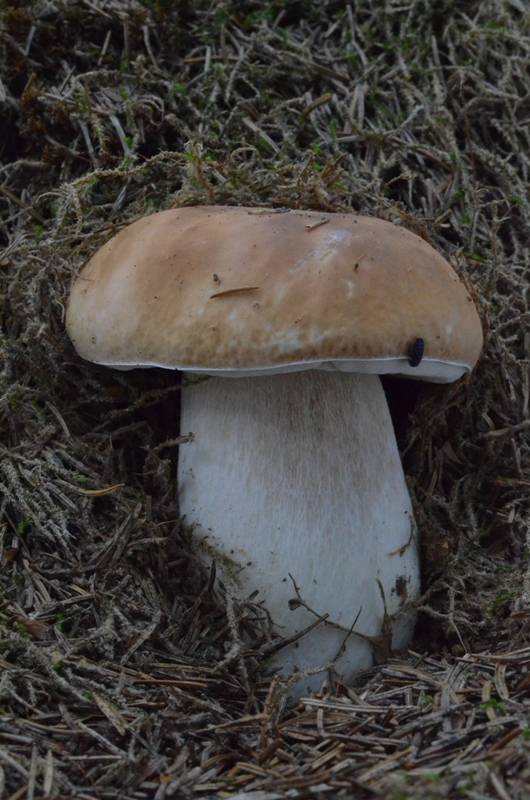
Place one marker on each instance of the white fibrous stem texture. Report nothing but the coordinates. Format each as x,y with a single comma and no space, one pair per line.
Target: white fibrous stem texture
294,484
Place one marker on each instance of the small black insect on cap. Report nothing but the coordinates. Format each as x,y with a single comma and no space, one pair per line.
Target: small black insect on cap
416,351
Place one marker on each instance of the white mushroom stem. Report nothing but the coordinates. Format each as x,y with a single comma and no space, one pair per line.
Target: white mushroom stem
299,474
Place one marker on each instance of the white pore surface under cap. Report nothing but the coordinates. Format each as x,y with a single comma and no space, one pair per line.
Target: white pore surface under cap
299,475
431,370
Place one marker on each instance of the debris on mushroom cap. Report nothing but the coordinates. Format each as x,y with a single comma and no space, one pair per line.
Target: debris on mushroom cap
355,294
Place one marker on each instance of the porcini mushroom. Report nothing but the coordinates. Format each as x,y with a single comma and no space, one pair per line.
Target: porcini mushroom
293,477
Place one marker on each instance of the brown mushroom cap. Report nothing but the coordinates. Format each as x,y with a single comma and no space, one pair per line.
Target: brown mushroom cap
239,291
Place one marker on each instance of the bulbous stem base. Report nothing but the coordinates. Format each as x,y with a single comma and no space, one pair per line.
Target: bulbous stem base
296,479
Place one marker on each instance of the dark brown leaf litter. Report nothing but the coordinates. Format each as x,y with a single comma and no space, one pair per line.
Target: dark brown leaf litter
125,671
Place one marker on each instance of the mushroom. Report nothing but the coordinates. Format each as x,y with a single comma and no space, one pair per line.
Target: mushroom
292,479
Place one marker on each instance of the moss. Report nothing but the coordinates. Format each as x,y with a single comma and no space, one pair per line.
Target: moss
412,133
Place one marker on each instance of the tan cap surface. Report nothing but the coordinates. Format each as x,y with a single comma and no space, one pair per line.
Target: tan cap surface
238,291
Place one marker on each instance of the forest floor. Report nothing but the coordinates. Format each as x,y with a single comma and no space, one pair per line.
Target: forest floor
125,670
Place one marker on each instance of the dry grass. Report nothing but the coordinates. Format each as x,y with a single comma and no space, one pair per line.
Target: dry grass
124,670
